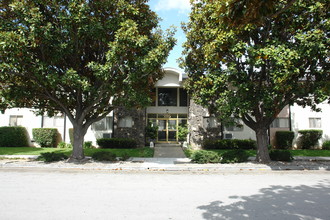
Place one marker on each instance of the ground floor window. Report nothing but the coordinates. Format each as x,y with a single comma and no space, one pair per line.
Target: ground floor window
167,126
315,123
280,123
15,120
104,124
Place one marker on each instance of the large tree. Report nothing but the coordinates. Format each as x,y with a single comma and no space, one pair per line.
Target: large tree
79,57
253,70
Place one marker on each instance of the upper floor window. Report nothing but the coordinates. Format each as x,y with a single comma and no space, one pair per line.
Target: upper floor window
280,123
104,124
315,123
15,120
56,121
126,122
167,96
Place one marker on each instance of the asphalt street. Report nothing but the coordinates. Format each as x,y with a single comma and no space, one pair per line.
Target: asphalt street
74,194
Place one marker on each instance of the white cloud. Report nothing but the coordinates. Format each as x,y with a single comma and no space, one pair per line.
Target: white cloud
181,5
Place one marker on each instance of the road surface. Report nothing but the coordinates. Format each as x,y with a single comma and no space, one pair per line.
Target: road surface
74,194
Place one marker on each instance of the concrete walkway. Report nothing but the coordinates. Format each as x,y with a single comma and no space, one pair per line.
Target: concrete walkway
168,151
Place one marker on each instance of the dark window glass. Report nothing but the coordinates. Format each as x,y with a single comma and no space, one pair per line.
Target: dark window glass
167,97
183,97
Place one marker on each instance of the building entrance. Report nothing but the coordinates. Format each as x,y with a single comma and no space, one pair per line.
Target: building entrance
167,126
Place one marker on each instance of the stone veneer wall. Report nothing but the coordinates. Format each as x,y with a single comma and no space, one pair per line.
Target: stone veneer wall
137,131
197,130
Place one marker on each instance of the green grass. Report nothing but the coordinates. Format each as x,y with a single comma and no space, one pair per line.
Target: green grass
138,152
302,153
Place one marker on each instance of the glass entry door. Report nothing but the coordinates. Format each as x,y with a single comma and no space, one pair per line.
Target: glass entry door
167,130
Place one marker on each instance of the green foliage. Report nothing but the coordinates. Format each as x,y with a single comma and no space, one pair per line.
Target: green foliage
326,145
203,156
74,56
182,132
13,137
71,135
284,139
252,71
64,145
52,157
234,156
229,144
116,143
151,131
309,138
280,155
45,137
125,156
104,156
88,144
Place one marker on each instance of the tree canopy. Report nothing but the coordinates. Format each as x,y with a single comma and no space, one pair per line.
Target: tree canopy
253,70
80,57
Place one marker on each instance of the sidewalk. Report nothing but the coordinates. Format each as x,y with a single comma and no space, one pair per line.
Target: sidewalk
167,164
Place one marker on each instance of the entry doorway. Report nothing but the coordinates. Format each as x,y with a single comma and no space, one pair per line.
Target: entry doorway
167,126
167,130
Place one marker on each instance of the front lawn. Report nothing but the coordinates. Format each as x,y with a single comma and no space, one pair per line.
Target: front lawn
138,152
302,153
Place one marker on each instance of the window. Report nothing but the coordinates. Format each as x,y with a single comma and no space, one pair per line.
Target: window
280,123
210,122
104,124
314,122
15,120
167,97
56,121
183,97
237,126
126,122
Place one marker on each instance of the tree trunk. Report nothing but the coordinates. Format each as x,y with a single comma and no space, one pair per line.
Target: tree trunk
262,146
78,141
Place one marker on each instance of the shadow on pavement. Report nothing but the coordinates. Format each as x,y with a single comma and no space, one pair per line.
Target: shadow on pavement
276,202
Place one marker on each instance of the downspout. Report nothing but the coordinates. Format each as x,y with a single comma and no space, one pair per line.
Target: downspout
42,121
64,128
290,123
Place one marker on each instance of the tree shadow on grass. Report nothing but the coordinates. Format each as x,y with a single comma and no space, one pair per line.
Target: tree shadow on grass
277,202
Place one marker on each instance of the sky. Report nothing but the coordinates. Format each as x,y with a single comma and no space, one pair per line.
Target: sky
172,13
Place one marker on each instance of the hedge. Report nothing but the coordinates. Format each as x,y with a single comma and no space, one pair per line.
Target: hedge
45,137
234,156
280,155
284,139
203,156
309,138
14,137
230,144
116,143
326,145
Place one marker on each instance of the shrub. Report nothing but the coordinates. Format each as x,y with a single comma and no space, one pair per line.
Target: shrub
182,132
125,157
52,157
280,155
284,139
234,156
116,143
46,137
88,145
151,131
230,144
203,156
13,137
104,156
326,145
64,145
309,138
